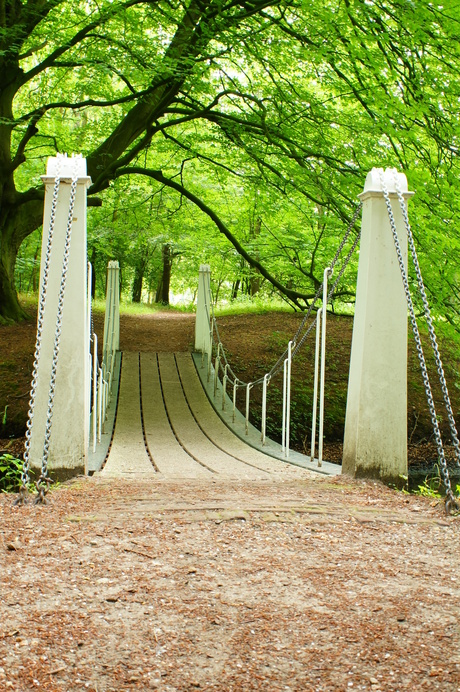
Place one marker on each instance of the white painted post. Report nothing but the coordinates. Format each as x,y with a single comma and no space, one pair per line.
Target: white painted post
375,443
322,377
89,279
111,341
116,306
315,384
69,432
203,341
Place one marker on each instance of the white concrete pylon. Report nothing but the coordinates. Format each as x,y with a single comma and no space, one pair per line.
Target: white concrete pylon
203,341
69,431
375,442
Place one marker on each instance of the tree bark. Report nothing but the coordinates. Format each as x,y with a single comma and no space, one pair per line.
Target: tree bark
35,271
16,222
137,283
165,279
235,288
254,273
93,273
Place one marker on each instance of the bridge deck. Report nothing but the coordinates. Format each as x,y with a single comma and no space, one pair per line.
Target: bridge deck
165,424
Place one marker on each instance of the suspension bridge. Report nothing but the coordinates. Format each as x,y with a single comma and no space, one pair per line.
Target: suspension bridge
166,424
141,414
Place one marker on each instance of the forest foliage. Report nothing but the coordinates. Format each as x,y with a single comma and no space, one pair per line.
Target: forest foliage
233,133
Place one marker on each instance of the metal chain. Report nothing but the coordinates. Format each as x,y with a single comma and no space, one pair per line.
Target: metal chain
332,266
450,498
277,366
92,323
90,306
333,288
219,341
431,331
43,482
25,479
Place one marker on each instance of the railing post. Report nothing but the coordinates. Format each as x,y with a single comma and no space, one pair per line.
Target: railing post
287,402
89,279
111,341
375,443
322,379
68,450
315,385
203,341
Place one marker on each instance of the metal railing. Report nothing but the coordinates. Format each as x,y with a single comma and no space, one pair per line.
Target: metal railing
102,373
213,346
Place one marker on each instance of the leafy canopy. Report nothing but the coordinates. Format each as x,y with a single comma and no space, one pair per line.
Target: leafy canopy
287,102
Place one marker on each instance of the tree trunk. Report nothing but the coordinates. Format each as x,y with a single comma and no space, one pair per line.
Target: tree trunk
142,261
167,265
10,309
235,288
137,283
254,275
35,271
16,223
93,273
162,295
159,290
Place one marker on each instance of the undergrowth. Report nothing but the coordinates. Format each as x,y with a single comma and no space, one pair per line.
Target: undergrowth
431,487
251,306
10,473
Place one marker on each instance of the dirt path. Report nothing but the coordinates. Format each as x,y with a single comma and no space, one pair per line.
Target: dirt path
323,584
313,585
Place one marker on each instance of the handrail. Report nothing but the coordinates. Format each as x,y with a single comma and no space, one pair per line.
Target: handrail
103,372
221,363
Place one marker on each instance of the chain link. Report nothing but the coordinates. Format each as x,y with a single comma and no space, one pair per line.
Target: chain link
90,302
43,482
333,288
450,498
296,346
277,366
431,331
25,478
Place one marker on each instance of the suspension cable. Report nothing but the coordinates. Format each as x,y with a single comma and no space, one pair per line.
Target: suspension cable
25,477
296,345
221,361
43,482
450,498
431,330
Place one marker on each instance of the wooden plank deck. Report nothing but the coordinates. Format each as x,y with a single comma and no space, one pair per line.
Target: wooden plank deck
166,426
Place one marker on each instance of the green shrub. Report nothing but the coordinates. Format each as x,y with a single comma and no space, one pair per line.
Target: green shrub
10,473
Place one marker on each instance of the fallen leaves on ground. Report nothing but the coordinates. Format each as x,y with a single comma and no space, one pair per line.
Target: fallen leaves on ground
324,584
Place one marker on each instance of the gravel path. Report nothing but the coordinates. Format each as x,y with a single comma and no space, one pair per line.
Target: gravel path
319,584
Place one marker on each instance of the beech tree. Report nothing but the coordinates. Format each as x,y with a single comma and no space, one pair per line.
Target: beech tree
302,97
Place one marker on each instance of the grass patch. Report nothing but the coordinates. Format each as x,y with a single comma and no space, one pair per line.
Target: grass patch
28,301
252,306
135,309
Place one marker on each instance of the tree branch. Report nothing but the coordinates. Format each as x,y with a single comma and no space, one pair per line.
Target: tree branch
294,296
77,38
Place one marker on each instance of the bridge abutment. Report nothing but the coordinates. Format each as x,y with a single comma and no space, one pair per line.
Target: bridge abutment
375,442
68,444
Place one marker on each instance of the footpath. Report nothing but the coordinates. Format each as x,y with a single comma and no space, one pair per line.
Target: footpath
319,583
